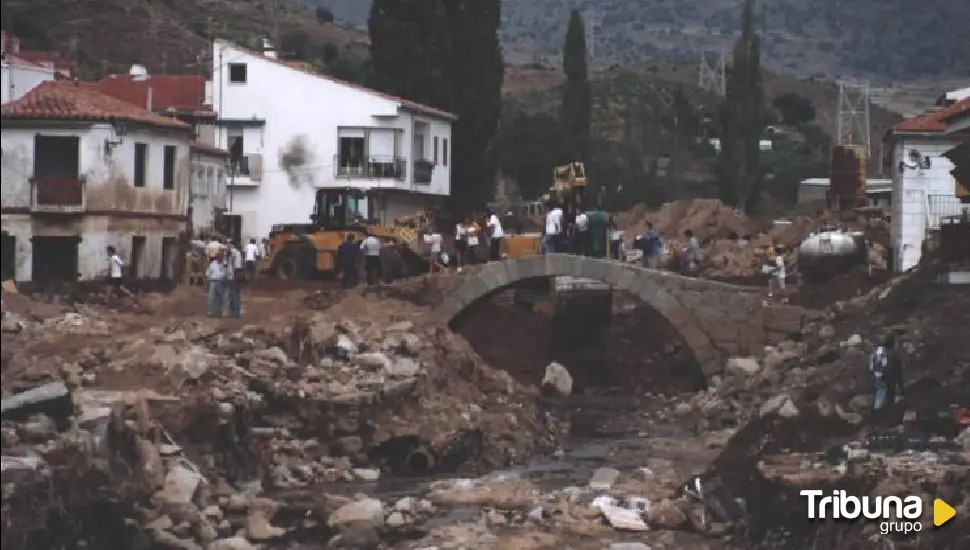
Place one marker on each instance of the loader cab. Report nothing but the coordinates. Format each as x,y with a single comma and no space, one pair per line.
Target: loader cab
343,208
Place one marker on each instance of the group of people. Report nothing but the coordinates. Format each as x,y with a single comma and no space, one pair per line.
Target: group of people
348,254
228,268
585,234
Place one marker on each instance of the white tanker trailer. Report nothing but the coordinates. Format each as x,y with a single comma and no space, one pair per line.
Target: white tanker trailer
831,251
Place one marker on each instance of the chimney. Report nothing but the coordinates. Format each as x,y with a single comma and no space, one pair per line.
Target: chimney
149,106
268,49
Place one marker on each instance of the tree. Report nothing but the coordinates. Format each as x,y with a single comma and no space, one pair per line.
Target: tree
575,112
530,147
446,54
742,118
477,74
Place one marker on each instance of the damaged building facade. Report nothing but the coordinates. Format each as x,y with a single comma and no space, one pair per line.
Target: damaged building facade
83,171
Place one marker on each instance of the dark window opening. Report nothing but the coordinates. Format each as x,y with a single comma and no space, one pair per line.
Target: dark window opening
435,153
168,170
57,170
54,259
141,164
351,153
8,257
238,73
137,256
169,254
444,152
237,153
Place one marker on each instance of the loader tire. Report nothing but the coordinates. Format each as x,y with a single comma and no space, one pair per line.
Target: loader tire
290,266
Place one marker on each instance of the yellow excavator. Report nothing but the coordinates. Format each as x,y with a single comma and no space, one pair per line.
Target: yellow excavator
300,251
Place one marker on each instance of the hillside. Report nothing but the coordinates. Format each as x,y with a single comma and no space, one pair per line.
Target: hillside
172,35
535,84
829,38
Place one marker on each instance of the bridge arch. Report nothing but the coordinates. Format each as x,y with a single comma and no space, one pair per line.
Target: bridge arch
673,296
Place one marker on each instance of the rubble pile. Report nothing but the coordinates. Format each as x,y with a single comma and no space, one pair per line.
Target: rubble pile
733,244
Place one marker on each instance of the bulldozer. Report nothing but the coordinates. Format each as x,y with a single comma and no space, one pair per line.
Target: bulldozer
302,251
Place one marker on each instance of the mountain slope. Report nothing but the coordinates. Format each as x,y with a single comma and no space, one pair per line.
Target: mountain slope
865,38
170,35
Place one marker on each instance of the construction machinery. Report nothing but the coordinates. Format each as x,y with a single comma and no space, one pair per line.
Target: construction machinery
830,251
298,251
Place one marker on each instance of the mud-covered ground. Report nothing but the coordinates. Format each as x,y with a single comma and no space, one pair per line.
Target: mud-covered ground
333,419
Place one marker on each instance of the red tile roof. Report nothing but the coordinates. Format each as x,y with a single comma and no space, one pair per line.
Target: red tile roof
65,100
306,68
170,92
933,122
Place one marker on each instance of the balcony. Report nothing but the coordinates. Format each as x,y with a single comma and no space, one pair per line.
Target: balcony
57,196
422,172
379,168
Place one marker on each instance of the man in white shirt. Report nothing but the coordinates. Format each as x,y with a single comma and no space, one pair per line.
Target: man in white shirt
371,246
581,244
553,228
433,239
115,270
496,234
251,254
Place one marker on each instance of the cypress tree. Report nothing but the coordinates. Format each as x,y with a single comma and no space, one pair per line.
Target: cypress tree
575,112
477,74
409,46
742,118
446,54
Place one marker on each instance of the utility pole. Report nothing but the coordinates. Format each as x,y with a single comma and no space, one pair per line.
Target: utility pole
276,25
711,73
852,119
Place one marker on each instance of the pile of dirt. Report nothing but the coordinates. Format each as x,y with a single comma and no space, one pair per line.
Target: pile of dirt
709,219
801,402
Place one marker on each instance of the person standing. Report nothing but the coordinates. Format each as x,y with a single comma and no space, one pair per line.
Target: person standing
252,254
473,239
598,222
886,370
553,228
234,279
460,245
371,246
116,268
652,247
495,236
581,237
216,275
692,254
433,239
347,262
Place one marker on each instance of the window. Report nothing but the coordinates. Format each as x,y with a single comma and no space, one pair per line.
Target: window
209,177
444,152
141,163
435,153
351,154
237,151
168,169
238,73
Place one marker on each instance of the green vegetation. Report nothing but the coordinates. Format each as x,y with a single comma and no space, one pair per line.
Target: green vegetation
574,113
446,54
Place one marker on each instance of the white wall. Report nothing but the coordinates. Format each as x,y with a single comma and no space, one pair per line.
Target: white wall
17,81
208,189
300,106
920,197
108,189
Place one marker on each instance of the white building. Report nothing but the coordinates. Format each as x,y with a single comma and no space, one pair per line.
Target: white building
18,75
923,187
183,96
878,191
296,131
83,170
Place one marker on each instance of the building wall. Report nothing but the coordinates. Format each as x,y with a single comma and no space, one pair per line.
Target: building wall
812,193
208,189
920,197
301,108
17,81
115,212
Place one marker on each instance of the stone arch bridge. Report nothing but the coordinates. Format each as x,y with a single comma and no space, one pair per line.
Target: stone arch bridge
716,320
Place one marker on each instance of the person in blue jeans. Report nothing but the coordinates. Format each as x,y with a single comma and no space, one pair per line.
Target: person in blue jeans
216,274
553,229
886,368
652,247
